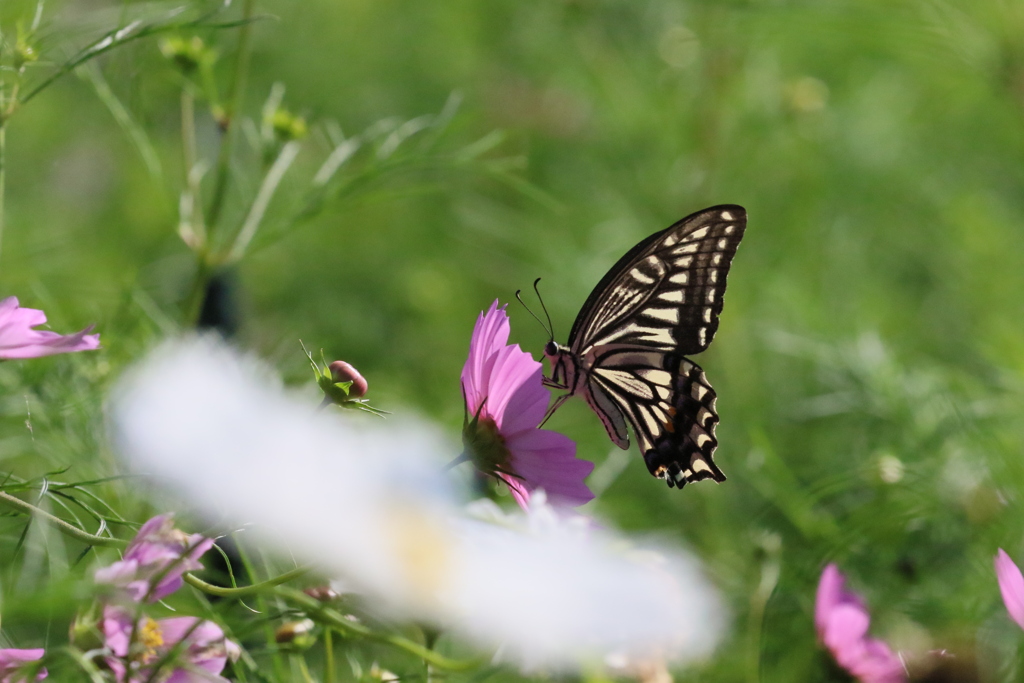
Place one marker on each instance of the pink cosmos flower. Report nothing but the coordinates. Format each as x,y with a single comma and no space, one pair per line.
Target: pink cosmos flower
505,401
19,340
204,653
11,663
842,621
1011,585
160,553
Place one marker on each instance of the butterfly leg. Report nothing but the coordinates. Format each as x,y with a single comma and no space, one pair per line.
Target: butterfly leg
554,406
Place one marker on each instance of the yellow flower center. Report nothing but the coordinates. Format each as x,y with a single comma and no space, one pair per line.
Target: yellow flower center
151,638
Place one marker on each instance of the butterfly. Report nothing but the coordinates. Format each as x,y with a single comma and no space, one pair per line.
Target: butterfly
626,351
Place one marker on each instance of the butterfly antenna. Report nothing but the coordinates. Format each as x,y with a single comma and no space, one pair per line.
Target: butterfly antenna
519,293
551,326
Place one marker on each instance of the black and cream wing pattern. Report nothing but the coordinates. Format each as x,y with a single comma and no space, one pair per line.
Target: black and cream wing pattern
626,352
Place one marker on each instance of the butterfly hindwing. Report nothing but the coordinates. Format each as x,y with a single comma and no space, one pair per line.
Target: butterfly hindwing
668,401
667,292
683,454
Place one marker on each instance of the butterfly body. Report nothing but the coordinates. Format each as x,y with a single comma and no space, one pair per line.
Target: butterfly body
626,351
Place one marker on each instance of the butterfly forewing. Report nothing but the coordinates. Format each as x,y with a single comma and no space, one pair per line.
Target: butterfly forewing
667,292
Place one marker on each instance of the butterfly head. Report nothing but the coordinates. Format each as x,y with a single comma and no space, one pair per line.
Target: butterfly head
563,366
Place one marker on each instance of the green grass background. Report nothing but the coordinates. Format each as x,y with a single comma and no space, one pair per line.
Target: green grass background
869,361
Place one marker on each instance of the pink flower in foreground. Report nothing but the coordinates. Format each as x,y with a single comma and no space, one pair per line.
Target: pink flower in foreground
12,662
19,340
203,656
505,401
159,552
1011,585
842,621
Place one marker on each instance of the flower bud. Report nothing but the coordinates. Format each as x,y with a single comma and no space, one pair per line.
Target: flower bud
187,54
23,53
287,126
383,675
297,635
343,372
322,593
85,633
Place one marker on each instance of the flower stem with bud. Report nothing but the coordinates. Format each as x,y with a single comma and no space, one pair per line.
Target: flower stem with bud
342,385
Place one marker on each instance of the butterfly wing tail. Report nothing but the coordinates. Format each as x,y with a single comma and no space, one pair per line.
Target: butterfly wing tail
683,453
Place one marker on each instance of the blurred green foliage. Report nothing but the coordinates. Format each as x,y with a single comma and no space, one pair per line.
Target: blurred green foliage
870,361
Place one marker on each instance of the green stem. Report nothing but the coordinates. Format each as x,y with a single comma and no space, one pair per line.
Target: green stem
192,580
430,637
755,619
337,621
262,201
83,662
231,108
3,177
62,526
329,672
300,662
196,296
192,229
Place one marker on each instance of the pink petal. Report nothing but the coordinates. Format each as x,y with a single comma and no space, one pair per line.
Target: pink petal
547,460
19,340
16,656
528,404
12,659
845,628
119,574
520,493
175,628
1011,585
830,588
184,676
117,630
490,335
153,525
878,664
206,643
517,399
502,380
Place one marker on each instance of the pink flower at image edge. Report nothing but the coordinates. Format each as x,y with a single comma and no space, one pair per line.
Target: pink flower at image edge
19,340
842,623
503,385
1011,585
13,659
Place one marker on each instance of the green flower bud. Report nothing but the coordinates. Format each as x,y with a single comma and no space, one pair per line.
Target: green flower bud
296,635
85,632
23,53
287,126
187,54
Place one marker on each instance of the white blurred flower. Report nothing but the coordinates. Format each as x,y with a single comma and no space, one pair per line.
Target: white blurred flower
368,501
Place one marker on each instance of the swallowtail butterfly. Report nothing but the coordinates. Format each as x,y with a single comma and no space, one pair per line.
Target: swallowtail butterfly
626,350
